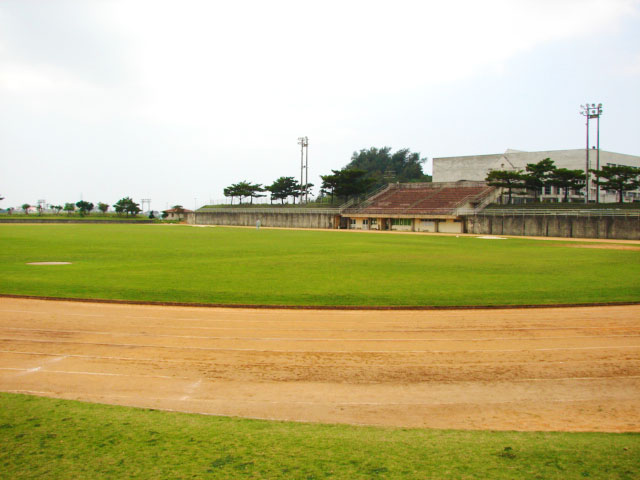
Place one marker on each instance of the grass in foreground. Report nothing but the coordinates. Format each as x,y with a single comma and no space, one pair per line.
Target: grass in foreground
77,217
249,266
46,438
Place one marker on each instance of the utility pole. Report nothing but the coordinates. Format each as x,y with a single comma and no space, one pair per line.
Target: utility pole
591,111
304,145
306,174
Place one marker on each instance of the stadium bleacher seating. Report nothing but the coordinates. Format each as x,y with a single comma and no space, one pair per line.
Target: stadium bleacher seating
425,198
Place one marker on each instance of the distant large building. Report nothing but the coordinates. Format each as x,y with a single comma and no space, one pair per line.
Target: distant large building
476,168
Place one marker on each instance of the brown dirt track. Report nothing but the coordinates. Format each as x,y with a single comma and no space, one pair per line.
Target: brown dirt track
517,369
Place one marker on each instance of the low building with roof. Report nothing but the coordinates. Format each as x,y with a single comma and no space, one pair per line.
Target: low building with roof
176,213
420,207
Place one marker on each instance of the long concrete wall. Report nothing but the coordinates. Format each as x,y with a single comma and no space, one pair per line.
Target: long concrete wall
576,226
267,217
552,225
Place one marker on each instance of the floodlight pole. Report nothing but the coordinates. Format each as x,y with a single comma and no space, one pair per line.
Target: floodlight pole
304,143
585,112
598,149
306,173
591,111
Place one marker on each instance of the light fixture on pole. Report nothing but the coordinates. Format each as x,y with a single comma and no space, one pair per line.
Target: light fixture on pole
590,111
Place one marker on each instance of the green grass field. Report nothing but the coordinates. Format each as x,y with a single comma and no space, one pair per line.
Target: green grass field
45,438
248,266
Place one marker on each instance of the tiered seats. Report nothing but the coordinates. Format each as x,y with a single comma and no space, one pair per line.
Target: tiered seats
426,198
399,198
447,198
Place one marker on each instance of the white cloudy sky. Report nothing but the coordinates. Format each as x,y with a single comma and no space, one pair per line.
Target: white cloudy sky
173,100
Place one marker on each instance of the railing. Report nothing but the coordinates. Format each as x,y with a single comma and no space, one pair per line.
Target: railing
363,201
331,210
490,198
461,183
347,204
390,211
604,212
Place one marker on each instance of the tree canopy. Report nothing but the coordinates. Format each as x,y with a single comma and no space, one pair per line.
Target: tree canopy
620,178
284,187
243,189
509,179
84,207
127,205
567,179
386,167
538,175
347,182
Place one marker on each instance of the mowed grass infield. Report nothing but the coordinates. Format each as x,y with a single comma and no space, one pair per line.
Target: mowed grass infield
175,263
47,438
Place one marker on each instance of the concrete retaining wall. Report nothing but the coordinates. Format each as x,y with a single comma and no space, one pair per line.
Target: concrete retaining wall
271,218
600,226
558,225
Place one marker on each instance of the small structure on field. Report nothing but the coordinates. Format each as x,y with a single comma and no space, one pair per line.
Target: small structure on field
176,213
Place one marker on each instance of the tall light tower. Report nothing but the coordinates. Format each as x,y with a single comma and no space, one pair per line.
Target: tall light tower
304,165
592,111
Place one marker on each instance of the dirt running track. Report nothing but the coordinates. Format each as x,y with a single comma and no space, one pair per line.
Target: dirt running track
539,369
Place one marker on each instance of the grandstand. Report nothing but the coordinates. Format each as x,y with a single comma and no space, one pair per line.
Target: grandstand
420,207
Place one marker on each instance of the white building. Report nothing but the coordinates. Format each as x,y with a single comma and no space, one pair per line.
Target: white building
476,168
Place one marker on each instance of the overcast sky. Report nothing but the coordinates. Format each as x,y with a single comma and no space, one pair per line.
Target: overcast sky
174,100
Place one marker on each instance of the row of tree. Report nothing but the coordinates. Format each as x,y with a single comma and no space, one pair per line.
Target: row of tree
280,189
124,205
367,169
536,176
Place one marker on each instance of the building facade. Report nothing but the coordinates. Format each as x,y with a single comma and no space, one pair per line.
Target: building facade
476,168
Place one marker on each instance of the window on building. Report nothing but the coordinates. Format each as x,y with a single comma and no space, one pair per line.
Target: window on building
365,222
547,189
352,221
374,221
401,221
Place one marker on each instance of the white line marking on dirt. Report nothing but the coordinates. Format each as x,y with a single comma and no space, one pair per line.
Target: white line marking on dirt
105,374
309,339
57,314
99,357
47,362
190,390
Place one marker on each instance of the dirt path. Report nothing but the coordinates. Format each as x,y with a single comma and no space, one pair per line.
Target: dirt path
541,369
